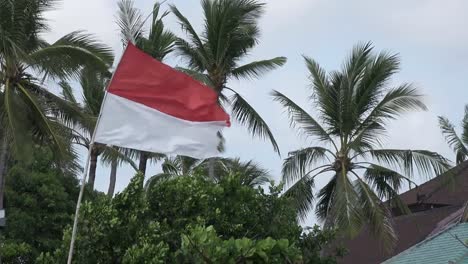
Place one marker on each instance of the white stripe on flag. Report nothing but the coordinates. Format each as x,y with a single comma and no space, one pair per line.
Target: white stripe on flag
128,124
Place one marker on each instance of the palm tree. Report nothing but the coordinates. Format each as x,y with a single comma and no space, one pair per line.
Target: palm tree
230,32
459,144
30,112
115,157
354,105
249,173
158,44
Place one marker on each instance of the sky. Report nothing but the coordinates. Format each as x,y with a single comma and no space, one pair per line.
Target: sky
429,35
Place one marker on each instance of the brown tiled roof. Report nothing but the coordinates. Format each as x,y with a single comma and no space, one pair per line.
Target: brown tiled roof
411,229
415,227
451,188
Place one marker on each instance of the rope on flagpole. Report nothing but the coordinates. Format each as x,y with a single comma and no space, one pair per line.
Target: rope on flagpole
86,169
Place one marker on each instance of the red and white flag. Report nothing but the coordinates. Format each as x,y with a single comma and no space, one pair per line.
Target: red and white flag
152,107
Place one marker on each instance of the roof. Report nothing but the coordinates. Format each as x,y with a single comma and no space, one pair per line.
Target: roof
444,189
444,247
410,229
435,206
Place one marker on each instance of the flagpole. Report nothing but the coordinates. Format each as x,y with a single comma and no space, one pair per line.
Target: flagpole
86,169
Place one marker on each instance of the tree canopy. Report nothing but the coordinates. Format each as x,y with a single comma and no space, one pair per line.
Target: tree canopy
188,219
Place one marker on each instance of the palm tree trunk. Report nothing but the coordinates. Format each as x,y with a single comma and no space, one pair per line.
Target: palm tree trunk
143,162
3,168
113,178
93,166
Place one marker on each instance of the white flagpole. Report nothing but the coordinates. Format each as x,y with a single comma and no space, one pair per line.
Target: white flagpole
85,172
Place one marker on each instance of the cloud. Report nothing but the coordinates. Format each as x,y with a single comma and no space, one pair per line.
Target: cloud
96,17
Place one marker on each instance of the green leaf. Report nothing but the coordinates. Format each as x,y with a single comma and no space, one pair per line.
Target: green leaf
301,119
257,68
454,141
130,21
298,162
245,114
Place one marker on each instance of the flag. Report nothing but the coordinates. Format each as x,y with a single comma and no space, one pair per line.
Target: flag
152,107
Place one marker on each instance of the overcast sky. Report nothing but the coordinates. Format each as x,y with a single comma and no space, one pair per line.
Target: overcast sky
430,36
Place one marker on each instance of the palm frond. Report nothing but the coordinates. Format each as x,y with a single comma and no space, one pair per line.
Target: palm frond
67,56
325,95
375,77
301,119
230,28
396,102
93,86
464,126
67,92
180,165
67,111
188,28
356,63
387,183
325,196
377,215
298,162
17,125
195,58
130,21
201,77
110,154
250,173
257,68
160,42
453,140
425,162
302,196
44,125
345,212
245,114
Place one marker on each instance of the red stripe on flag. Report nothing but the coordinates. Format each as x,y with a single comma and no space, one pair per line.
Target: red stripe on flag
144,80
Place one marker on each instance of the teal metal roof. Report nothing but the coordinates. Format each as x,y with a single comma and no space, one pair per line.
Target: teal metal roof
442,248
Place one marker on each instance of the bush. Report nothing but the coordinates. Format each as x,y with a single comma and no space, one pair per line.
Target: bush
186,220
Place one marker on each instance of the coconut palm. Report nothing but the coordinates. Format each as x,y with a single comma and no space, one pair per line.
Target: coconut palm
459,144
115,157
214,56
354,106
29,111
249,173
159,43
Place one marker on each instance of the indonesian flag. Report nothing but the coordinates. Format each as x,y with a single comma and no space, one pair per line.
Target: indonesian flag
151,107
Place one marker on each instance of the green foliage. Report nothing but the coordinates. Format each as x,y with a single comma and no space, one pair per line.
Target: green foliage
40,200
174,220
233,209
315,241
457,143
13,253
203,245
